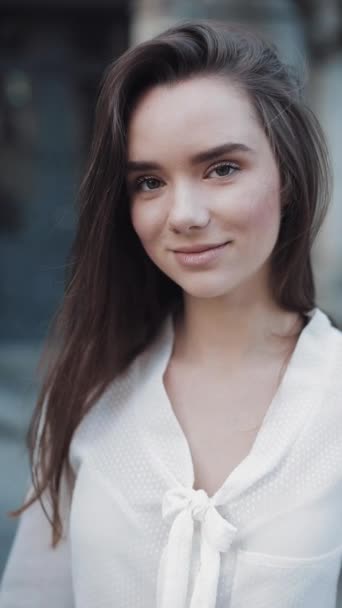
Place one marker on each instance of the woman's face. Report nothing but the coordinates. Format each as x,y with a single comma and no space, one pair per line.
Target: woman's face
201,173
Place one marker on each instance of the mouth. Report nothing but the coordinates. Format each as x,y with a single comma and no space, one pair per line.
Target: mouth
201,256
201,248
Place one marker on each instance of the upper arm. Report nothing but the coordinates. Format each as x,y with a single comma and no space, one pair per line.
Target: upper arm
37,575
339,590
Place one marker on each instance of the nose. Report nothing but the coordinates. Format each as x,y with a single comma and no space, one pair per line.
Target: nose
188,210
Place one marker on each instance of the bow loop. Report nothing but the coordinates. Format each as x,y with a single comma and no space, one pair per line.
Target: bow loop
174,501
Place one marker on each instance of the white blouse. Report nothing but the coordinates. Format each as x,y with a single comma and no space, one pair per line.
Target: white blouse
136,533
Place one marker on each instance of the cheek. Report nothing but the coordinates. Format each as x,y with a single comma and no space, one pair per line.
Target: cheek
264,217
147,221
260,215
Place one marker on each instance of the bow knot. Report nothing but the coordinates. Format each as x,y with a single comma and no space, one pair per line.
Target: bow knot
199,504
178,499
182,506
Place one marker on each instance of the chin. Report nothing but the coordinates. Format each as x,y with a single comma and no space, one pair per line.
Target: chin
205,289
214,283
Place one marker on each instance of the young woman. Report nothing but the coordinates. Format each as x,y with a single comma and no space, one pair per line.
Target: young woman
187,443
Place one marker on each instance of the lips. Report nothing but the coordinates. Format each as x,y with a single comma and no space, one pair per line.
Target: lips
200,248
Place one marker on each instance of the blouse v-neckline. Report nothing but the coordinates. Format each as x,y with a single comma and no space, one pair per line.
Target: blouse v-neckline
280,427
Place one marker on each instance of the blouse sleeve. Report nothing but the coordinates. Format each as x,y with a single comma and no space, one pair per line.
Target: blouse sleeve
339,590
37,575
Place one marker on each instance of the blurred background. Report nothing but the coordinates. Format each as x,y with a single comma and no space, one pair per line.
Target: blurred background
52,57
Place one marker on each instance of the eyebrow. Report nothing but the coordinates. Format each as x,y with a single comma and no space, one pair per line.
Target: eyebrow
197,159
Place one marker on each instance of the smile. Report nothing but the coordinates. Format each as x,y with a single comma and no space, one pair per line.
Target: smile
201,258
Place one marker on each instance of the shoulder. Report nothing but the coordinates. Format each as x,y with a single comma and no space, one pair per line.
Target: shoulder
321,329
327,340
114,414
102,415
321,367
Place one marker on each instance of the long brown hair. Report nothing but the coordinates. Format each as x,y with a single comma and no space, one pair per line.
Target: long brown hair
115,298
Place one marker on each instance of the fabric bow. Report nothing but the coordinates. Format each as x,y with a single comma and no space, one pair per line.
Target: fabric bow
183,506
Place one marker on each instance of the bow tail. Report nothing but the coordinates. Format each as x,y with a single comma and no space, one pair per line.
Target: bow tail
205,590
173,574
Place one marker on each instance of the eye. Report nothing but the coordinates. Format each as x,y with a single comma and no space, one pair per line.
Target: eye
224,169
146,184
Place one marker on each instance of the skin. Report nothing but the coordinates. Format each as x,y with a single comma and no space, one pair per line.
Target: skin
228,308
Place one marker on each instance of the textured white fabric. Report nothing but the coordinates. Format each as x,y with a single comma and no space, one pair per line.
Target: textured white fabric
137,535
185,506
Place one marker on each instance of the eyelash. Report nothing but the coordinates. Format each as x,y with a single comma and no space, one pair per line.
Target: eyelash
144,178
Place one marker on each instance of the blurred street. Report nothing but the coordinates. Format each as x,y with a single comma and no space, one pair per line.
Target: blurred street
52,58
17,395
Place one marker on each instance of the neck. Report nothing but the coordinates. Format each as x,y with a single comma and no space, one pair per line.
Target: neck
214,331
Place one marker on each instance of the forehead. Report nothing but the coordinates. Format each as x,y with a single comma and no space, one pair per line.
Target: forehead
189,115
